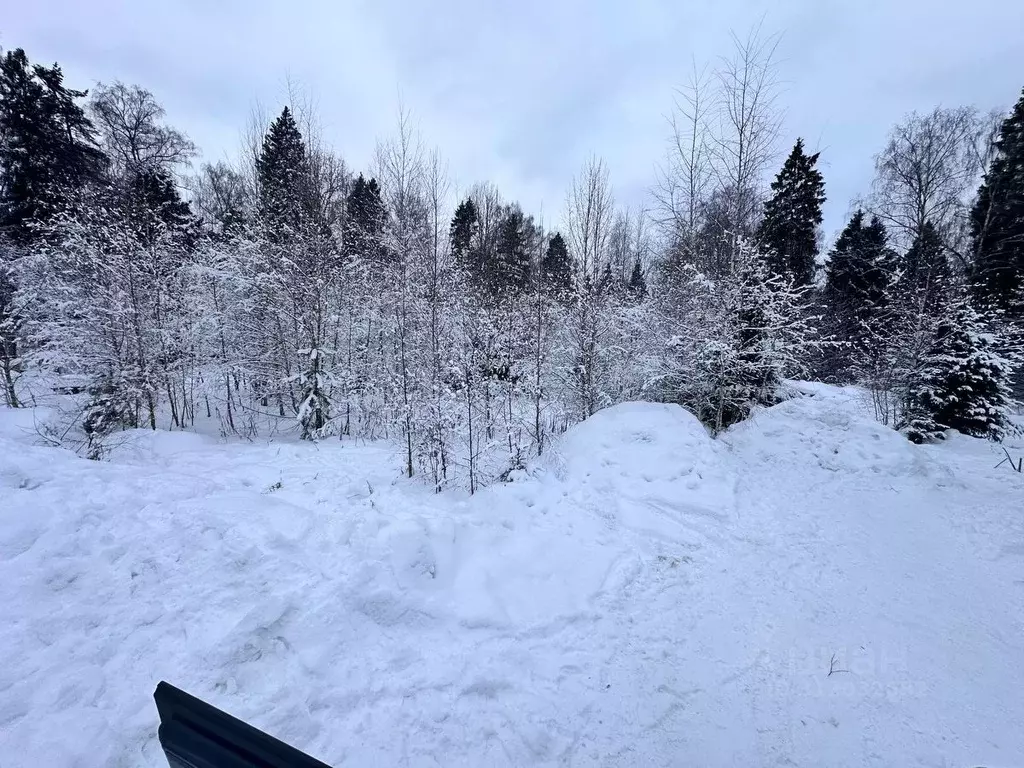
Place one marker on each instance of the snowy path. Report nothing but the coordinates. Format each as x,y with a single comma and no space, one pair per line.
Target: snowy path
871,555
647,597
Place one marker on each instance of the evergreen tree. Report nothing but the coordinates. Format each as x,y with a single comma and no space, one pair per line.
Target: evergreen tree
926,273
556,268
857,278
157,208
463,233
789,230
997,222
107,411
739,336
859,268
965,385
47,144
510,270
364,222
282,172
637,286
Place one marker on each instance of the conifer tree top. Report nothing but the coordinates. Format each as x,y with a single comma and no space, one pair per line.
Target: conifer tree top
997,221
283,173
792,215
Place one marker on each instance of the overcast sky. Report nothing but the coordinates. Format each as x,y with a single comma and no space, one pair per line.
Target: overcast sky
520,93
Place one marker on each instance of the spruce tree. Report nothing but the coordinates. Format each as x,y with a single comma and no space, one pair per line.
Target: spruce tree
510,272
926,273
789,230
965,383
743,334
463,231
107,411
637,286
997,222
156,208
47,145
859,268
556,268
857,278
282,173
365,217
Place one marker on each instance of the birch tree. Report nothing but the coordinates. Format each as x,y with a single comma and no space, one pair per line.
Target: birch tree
928,173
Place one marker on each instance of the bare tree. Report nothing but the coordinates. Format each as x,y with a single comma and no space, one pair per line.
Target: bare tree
400,168
588,218
748,127
251,147
588,225
489,208
927,173
685,178
329,178
10,327
437,187
620,246
218,193
628,242
130,122
724,135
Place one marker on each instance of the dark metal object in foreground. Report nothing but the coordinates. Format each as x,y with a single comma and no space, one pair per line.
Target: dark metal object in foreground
194,734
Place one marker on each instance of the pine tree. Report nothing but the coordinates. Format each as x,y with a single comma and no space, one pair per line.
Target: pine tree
282,171
789,230
637,286
556,268
997,222
965,384
47,145
926,273
107,411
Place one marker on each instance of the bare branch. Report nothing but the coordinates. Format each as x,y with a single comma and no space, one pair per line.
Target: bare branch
588,218
129,120
928,172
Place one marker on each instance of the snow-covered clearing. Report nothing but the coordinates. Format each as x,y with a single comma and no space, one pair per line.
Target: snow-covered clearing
644,596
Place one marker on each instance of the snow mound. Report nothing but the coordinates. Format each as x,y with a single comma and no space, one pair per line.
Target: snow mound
143,446
647,448
649,468
826,429
646,441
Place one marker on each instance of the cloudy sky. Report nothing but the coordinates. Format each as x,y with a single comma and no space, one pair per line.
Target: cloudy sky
521,93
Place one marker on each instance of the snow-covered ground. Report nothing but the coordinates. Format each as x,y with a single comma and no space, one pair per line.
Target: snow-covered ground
645,595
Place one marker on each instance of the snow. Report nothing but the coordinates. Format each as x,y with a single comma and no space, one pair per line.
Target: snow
643,595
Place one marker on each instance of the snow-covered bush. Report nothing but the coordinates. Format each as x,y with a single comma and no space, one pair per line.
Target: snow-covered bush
736,338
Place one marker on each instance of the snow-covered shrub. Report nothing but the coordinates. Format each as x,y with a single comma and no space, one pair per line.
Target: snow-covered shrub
737,337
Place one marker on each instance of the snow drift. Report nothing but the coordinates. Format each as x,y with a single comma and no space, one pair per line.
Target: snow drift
643,595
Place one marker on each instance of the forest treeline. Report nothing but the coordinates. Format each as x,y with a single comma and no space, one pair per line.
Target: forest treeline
286,290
